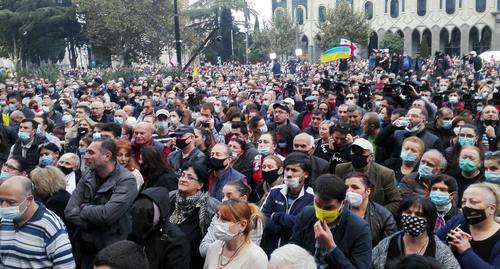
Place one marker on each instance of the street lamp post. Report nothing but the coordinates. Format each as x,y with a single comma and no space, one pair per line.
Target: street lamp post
178,41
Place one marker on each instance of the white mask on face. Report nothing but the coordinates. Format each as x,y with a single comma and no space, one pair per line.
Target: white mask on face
354,199
221,230
292,182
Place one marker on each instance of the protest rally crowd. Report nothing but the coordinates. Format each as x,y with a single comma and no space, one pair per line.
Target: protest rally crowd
385,162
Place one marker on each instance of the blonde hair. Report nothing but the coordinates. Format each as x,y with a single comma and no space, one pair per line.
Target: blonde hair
490,190
48,180
416,140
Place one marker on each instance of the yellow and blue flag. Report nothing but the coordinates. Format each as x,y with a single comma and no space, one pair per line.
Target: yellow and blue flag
337,53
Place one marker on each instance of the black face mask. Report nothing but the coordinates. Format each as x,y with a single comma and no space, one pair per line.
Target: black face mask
82,131
65,170
122,103
216,164
270,176
359,161
489,122
310,107
473,216
181,143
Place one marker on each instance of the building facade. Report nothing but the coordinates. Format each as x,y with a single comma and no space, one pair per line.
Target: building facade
453,26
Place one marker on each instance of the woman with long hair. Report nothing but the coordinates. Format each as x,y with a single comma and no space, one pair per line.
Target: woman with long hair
155,170
204,139
233,248
124,157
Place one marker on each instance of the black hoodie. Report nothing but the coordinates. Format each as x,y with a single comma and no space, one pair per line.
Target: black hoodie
165,244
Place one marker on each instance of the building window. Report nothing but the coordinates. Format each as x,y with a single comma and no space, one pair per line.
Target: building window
300,15
480,5
386,4
322,13
450,6
402,5
394,8
421,7
460,3
369,10
440,4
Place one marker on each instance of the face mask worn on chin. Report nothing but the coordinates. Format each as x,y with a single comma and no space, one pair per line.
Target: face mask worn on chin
412,225
359,161
270,176
413,129
492,177
326,215
355,199
221,231
473,216
12,212
217,164
292,182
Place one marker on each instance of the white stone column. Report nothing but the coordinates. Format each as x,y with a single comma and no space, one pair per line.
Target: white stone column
407,41
495,39
464,39
435,39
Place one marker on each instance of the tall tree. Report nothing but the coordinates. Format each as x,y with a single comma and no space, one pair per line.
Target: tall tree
283,33
343,22
393,42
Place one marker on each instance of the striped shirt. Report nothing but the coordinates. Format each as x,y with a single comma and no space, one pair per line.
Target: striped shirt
42,242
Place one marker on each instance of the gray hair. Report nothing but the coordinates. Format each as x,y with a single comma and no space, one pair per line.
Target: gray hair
443,163
71,157
309,137
293,257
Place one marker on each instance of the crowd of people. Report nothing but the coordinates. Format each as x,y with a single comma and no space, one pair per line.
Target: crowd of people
389,162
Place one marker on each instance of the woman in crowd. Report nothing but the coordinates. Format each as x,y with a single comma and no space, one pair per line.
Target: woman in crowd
155,170
474,236
469,169
267,145
411,151
323,149
284,138
239,151
176,117
84,128
50,186
380,220
124,157
467,136
49,154
256,127
193,208
234,248
204,140
417,216
81,150
492,167
69,164
241,191
272,173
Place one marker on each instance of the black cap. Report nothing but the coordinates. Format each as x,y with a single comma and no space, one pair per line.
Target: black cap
282,105
181,130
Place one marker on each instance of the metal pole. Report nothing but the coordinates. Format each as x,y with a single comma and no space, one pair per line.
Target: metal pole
200,48
246,32
246,46
232,44
178,48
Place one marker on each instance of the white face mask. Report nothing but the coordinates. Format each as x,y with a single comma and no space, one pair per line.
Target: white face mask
292,182
263,129
174,121
221,230
354,199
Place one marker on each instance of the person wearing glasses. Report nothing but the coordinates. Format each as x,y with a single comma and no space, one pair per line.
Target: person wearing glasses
15,166
193,208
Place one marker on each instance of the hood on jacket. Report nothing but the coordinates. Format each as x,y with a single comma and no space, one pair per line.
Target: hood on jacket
143,213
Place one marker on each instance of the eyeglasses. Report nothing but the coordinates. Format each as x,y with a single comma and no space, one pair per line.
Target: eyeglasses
187,177
466,135
10,167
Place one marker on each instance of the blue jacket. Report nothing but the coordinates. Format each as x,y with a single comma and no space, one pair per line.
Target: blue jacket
229,175
469,259
279,220
351,235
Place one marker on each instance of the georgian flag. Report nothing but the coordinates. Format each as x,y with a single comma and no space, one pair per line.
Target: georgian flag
351,45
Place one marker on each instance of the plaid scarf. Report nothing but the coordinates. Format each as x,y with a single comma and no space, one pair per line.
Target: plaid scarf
184,206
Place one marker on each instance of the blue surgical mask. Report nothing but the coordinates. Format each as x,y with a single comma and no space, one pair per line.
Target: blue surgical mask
96,135
264,150
465,141
12,107
408,157
66,118
4,176
424,170
82,151
12,212
492,177
46,160
439,198
118,120
24,136
447,124
163,125
377,104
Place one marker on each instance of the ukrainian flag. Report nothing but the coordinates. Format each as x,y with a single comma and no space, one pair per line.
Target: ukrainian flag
337,53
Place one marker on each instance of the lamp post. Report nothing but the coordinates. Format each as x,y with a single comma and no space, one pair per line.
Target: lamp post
178,41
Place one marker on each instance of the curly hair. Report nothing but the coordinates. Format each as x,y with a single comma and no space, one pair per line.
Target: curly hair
48,180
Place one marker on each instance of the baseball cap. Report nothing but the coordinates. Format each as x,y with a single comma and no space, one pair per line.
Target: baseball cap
289,100
181,130
363,143
282,105
311,99
162,112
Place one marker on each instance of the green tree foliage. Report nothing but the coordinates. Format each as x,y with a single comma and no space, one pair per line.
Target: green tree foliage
37,31
393,42
129,28
343,22
283,34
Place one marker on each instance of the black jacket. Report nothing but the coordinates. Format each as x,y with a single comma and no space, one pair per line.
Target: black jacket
33,153
381,222
351,236
319,167
165,245
244,164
